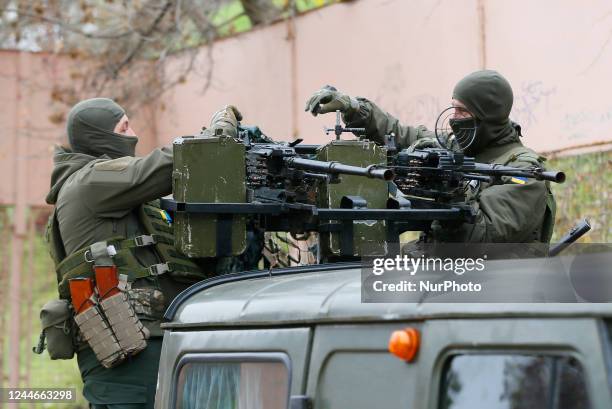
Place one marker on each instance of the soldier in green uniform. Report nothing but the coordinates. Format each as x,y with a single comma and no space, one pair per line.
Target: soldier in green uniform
514,212
103,193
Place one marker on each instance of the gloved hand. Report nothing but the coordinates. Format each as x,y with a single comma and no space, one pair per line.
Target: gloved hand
329,99
424,143
226,119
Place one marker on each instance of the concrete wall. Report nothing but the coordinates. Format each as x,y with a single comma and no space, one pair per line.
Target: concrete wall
31,123
394,52
404,55
407,56
26,134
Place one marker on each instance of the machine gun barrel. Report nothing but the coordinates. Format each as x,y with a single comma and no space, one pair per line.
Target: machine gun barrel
371,171
574,234
498,170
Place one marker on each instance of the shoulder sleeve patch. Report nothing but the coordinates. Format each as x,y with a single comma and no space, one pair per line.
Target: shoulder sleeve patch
518,180
115,165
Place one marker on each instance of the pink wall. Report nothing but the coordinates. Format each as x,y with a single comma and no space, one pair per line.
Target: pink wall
27,131
407,56
391,51
404,55
250,71
558,56
25,82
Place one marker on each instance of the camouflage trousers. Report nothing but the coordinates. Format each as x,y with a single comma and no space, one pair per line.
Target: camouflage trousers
130,385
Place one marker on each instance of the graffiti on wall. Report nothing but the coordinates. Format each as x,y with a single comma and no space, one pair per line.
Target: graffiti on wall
531,100
421,109
579,123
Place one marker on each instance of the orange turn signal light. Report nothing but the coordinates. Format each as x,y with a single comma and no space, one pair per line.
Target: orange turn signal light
405,343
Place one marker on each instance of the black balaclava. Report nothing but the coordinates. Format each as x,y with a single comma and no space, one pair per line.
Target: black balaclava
488,96
90,129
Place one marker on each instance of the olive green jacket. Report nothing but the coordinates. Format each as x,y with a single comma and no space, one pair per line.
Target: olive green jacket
510,212
98,198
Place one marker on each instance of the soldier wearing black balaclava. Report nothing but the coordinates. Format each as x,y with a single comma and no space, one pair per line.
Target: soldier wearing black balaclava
98,188
511,212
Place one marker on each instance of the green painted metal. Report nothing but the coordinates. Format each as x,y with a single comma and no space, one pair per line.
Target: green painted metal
335,296
368,236
207,170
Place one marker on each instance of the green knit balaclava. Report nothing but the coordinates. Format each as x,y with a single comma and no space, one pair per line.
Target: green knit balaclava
488,96
90,129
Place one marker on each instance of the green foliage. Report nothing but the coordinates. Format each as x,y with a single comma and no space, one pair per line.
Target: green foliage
38,279
46,373
230,19
587,192
307,5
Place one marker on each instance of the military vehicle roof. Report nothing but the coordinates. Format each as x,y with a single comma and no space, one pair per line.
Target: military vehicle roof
332,293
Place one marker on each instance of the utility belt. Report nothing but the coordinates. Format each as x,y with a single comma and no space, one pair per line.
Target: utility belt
103,316
102,310
79,264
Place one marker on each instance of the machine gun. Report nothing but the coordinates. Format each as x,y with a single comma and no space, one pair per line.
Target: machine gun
222,186
225,186
442,175
275,172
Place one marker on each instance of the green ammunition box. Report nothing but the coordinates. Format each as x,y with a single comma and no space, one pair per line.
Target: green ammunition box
368,235
208,170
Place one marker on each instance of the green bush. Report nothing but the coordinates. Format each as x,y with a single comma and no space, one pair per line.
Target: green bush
585,194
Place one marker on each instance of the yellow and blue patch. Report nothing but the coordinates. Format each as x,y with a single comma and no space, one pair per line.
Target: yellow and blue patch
166,216
518,180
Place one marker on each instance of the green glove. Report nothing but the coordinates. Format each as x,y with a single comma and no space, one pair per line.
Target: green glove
329,99
226,120
423,143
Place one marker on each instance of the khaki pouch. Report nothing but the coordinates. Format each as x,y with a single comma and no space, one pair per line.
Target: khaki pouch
96,331
124,323
112,328
58,330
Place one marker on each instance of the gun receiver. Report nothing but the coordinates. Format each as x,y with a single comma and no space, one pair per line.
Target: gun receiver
442,174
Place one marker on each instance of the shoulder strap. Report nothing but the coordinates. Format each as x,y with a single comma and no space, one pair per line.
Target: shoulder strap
54,242
158,223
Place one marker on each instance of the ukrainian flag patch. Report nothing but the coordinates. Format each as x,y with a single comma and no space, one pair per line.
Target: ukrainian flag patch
166,216
518,180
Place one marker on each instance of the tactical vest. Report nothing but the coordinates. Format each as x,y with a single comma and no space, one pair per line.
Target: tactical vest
158,235
530,156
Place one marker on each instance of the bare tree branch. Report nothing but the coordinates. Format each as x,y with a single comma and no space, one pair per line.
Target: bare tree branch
122,49
142,40
67,27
